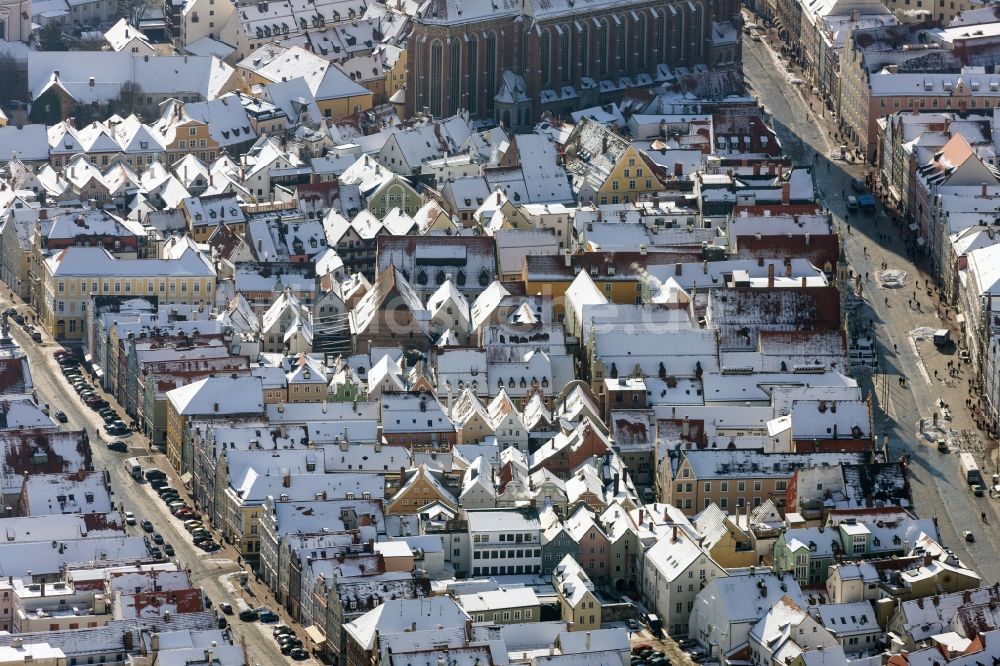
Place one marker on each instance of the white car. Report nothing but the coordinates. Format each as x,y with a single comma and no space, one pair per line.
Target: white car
129,518
796,82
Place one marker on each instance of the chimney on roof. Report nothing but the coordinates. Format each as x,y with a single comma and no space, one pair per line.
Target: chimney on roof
983,190
498,198
43,213
92,81
686,427
770,276
676,538
678,270
286,479
704,267
567,258
803,281
785,189
215,407
756,168
928,559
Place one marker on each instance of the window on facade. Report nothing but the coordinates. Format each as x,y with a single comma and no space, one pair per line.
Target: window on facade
565,51
603,51
491,78
640,41
545,57
456,77
622,46
471,61
437,65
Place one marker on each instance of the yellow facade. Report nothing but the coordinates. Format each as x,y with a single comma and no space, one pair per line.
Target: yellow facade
342,107
585,616
63,306
202,232
395,78
311,392
475,430
192,137
175,435
415,495
629,180
622,290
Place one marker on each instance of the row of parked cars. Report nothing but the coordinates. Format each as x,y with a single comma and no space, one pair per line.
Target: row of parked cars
113,425
19,319
200,536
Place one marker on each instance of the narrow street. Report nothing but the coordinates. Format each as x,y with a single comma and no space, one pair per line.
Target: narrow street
216,573
938,489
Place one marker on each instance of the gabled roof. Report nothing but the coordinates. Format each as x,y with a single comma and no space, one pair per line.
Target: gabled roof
219,395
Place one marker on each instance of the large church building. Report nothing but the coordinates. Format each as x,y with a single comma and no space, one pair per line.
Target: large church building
512,60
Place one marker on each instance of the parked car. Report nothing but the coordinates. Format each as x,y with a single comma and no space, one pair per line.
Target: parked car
222,623
192,525
155,552
129,518
186,514
118,446
199,539
209,546
36,336
146,526
248,615
281,629
632,625
157,538
266,615
168,549
61,417
226,607
156,484
153,473
298,654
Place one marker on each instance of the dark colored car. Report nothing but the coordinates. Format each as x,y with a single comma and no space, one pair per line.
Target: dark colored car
120,447
156,553
226,607
61,417
156,484
298,654
146,526
158,539
222,623
266,615
153,473
168,549
248,615
209,546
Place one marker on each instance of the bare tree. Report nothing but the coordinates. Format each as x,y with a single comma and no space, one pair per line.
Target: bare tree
130,98
13,79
